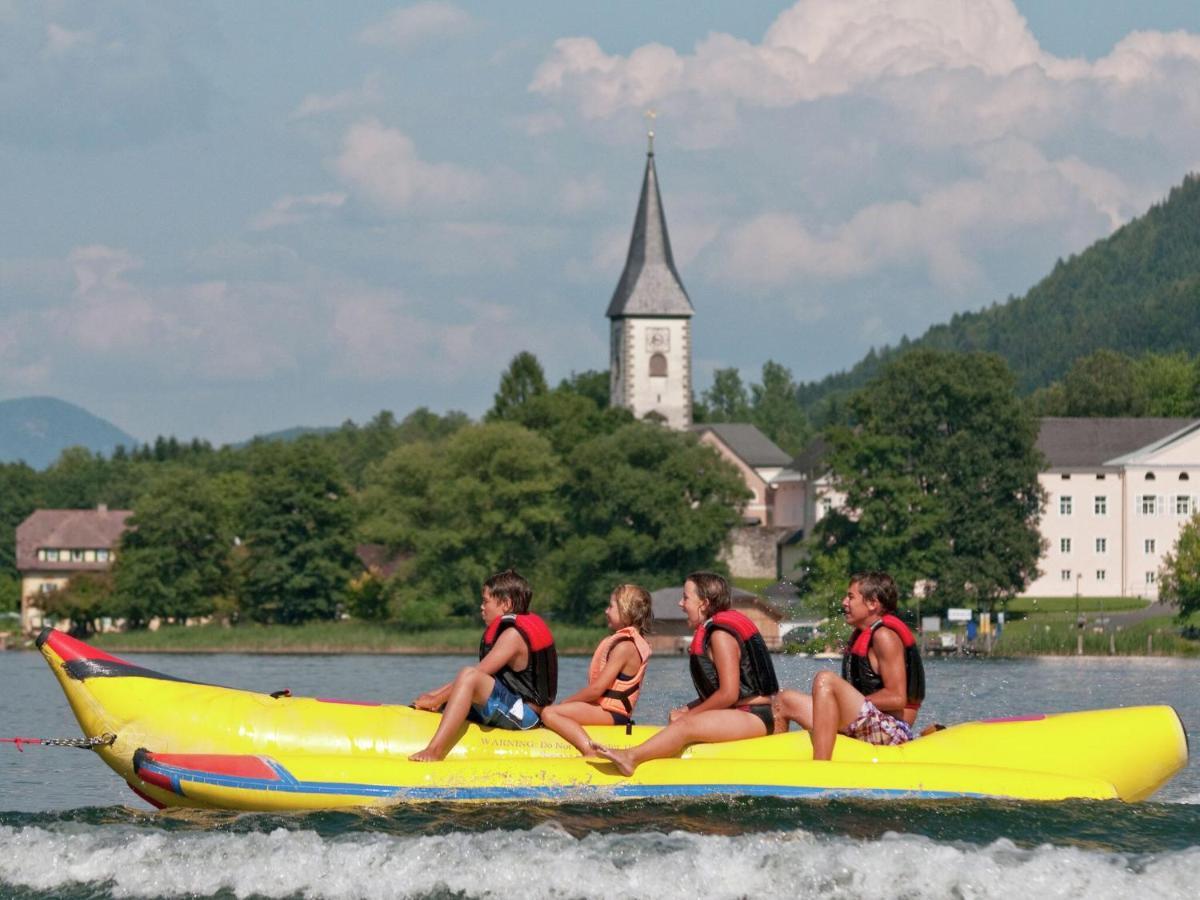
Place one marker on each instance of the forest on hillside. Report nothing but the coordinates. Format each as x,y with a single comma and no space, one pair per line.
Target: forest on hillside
1133,293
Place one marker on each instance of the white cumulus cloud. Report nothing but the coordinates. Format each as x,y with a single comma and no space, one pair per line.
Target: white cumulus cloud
381,165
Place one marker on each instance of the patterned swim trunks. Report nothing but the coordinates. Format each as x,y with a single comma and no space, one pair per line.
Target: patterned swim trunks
879,728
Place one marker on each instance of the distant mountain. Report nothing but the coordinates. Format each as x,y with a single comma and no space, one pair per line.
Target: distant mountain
287,435
1136,291
37,429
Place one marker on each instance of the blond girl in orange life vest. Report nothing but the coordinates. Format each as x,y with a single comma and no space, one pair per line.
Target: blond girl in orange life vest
614,676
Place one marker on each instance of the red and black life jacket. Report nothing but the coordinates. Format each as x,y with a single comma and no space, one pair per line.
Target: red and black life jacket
537,683
756,671
856,663
622,697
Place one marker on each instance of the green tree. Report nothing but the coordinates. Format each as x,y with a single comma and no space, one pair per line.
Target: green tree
1168,382
1103,384
521,382
10,591
1179,577
643,504
776,411
594,384
18,498
940,477
175,560
727,399
298,535
486,499
85,600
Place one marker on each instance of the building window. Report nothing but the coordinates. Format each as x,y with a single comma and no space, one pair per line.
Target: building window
1101,545
102,556
76,556
51,556
1149,545
1064,506
658,366
89,555
41,554
1065,575
1183,505
1066,476
1151,577
1064,545
1101,575
48,587
1183,476
1147,504
1150,476
1100,505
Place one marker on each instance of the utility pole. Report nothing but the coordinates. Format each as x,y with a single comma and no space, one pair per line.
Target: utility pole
1078,618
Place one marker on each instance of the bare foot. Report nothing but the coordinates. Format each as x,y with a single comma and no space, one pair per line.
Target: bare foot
620,758
428,755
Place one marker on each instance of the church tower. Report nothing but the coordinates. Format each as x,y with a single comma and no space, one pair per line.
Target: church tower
651,365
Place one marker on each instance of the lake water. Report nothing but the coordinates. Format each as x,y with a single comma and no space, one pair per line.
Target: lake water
69,827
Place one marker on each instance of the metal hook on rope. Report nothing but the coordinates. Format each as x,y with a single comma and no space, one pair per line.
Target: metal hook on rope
91,743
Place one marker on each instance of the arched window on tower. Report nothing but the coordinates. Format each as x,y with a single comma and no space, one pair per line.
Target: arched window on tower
658,366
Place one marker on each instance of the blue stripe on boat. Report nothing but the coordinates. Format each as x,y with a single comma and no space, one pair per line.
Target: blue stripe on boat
288,784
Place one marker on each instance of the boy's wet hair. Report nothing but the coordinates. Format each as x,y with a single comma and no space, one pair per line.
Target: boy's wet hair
510,586
635,607
878,586
712,589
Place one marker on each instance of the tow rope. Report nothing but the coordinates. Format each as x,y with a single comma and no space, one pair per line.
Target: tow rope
102,740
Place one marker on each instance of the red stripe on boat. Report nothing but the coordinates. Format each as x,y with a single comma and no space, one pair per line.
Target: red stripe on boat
147,797
216,764
69,648
1034,718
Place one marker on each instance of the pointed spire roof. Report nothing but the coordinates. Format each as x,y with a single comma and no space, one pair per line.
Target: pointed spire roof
650,284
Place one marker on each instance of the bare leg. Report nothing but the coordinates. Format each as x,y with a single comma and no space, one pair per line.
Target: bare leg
710,727
470,686
794,706
835,704
567,721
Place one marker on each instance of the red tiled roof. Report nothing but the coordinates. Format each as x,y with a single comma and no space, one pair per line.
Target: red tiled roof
68,529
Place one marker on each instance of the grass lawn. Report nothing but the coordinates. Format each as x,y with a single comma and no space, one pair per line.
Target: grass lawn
1067,604
1056,634
347,636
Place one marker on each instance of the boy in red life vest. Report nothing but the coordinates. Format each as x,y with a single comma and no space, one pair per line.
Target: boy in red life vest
517,672
732,672
883,680
615,675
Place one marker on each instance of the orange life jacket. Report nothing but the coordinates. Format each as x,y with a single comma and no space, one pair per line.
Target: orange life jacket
624,698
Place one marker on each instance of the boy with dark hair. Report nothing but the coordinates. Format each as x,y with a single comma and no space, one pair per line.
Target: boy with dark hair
883,680
517,672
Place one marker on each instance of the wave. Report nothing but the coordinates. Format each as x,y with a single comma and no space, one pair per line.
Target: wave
78,859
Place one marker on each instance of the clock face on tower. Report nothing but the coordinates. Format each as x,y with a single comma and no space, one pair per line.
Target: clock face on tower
658,340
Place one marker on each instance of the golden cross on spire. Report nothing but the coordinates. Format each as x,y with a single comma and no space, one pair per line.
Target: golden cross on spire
650,115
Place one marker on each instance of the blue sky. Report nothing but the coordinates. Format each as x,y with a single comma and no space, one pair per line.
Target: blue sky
223,218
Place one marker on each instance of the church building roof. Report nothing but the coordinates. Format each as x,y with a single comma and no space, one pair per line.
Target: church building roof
650,285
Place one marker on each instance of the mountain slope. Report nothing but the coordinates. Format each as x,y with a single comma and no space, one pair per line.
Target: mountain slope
1136,291
37,429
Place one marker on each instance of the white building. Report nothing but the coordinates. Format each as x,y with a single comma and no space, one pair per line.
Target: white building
1118,491
651,359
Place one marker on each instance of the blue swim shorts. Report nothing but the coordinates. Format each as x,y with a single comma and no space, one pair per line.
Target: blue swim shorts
504,709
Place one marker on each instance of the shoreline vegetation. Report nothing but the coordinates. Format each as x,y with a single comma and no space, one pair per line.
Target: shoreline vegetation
1034,627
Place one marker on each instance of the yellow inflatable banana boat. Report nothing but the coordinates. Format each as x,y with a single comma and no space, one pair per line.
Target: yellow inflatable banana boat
179,743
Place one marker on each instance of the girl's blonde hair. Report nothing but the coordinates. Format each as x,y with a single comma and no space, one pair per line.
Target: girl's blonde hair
634,604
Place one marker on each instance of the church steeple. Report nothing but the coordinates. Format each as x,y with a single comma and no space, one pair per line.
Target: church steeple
651,341
650,284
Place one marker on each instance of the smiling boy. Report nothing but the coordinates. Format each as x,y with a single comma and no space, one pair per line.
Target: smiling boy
517,672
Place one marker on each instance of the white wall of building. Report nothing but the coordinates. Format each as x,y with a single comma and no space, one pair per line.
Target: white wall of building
635,344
